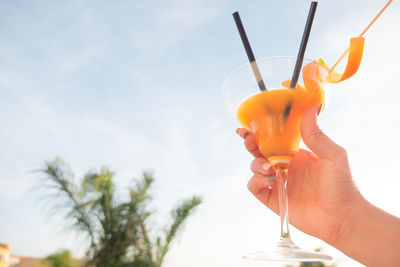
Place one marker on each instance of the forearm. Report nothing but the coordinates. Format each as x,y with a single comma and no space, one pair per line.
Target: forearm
370,236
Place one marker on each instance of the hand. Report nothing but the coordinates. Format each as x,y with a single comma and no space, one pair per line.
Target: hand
321,191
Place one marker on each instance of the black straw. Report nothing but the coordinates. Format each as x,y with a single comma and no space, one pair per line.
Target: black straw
303,45
249,51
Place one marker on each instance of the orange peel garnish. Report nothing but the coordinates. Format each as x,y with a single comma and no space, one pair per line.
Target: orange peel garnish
311,76
353,63
286,84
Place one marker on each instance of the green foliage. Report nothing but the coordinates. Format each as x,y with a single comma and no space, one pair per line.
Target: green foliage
59,259
118,232
313,264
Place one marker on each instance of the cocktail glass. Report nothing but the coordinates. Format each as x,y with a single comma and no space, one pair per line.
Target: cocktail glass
274,117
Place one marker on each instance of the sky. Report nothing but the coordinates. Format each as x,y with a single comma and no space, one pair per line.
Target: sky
137,85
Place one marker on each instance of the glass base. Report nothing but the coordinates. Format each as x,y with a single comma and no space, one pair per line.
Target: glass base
286,250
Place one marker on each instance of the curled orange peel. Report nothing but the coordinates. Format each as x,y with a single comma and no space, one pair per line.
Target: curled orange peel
353,63
286,84
317,73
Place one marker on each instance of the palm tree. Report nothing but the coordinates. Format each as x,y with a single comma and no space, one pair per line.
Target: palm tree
118,232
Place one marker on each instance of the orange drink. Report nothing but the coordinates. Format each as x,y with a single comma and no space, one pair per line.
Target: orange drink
274,116
274,124
271,115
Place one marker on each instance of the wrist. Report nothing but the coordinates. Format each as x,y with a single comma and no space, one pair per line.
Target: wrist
369,235
350,223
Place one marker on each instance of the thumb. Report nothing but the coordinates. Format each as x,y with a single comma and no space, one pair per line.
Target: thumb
315,139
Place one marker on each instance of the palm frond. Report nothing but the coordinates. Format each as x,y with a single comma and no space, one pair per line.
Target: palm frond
179,216
60,176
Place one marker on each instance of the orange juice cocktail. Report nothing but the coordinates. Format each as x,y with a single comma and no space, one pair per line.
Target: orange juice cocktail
274,116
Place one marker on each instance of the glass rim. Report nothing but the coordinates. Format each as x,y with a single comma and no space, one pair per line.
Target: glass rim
258,60
225,90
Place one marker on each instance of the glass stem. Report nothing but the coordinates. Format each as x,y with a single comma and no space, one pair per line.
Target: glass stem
281,179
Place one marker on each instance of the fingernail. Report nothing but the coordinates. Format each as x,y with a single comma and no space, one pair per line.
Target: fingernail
319,110
266,166
237,130
270,177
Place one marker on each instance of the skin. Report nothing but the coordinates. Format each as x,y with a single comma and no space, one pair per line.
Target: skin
323,199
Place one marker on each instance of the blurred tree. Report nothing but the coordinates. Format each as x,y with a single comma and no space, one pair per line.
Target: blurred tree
118,232
59,259
313,264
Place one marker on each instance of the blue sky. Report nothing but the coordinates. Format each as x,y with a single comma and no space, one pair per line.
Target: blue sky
136,85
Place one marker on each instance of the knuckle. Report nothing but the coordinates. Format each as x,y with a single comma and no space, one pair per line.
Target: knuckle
252,166
256,165
342,153
252,184
249,185
318,133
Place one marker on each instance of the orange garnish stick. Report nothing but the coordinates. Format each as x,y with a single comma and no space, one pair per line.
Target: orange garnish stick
363,32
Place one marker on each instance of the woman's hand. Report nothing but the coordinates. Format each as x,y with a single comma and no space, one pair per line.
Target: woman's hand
323,199
321,191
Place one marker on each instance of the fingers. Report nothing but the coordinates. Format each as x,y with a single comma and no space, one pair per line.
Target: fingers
262,188
315,138
249,141
262,166
243,132
258,183
262,182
